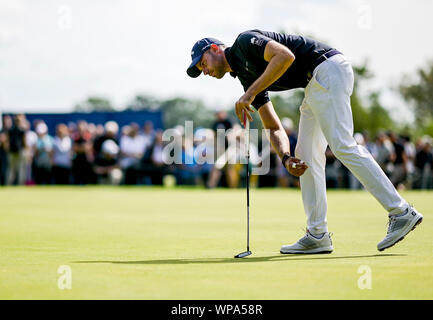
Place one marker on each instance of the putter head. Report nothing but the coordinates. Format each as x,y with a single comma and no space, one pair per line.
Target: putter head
243,254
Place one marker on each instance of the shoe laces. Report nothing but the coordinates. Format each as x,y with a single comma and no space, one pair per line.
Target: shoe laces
391,223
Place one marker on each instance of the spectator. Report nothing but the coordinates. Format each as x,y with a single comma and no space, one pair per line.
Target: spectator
188,170
204,153
4,149
7,123
331,169
62,155
370,145
91,129
42,163
410,150
131,151
385,154
398,174
221,123
148,135
111,129
73,130
271,178
100,130
158,159
354,183
228,162
83,156
424,164
17,144
31,138
285,179
106,165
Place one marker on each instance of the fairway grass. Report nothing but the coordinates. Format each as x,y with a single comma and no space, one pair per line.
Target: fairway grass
155,243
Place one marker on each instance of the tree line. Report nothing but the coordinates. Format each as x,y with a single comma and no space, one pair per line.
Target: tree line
369,115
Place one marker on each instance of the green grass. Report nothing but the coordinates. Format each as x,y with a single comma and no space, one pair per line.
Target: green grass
153,243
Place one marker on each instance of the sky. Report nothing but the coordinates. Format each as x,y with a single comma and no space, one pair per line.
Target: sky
54,54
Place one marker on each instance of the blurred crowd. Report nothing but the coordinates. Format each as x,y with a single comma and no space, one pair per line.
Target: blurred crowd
407,164
86,153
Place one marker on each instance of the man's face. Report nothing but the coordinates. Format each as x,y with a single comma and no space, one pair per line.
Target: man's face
212,63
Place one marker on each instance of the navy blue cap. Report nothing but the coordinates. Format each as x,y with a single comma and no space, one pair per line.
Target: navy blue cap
198,49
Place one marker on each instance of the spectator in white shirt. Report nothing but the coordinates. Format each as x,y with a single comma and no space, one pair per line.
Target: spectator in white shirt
132,146
62,155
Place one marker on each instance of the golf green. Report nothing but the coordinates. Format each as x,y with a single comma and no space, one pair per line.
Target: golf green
156,243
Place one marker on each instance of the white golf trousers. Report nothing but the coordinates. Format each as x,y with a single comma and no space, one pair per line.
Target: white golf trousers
326,118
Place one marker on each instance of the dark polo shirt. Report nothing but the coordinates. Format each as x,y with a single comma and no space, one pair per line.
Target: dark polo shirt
246,59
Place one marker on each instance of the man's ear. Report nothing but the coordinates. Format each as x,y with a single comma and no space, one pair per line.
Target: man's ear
214,47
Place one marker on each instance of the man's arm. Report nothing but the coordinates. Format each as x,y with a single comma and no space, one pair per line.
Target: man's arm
279,139
279,59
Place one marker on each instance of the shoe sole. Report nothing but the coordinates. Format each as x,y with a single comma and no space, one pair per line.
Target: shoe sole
401,238
319,251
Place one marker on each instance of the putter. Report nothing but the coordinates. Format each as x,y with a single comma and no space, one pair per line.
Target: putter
247,148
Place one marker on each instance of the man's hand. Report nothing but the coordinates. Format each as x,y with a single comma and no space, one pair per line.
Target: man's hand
243,106
296,167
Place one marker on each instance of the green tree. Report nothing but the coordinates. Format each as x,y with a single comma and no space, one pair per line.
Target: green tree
419,94
175,110
178,110
144,102
378,116
94,104
359,110
288,105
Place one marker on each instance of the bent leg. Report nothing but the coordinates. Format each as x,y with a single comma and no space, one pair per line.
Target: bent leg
330,92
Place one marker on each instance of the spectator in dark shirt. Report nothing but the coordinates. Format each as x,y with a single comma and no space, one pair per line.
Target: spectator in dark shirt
17,144
83,156
148,134
222,122
4,148
157,159
398,174
285,179
111,129
424,165
106,165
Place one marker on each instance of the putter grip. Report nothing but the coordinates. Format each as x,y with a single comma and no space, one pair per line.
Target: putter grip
247,135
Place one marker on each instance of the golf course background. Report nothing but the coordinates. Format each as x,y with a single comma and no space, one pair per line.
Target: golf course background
159,243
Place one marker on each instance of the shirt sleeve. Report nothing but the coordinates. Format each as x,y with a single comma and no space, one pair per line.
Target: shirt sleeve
261,99
253,44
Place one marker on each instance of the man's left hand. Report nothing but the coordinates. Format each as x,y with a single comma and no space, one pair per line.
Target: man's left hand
296,167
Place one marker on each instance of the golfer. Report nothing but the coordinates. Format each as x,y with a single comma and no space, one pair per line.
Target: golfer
269,61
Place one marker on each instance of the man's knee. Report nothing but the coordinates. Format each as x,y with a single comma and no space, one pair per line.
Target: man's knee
343,151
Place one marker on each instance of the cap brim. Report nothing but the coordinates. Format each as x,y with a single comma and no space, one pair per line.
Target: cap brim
192,70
